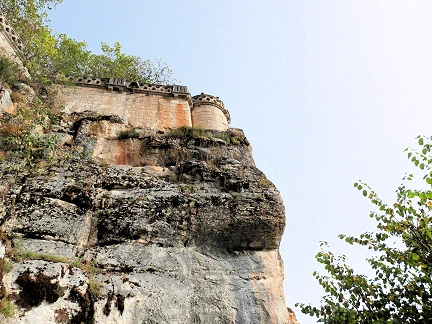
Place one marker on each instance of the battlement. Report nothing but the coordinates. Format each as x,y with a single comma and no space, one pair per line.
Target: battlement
10,42
11,45
10,34
116,84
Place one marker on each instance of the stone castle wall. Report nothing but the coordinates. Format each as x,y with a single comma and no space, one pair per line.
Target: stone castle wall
155,107
5,46
10,43
158,107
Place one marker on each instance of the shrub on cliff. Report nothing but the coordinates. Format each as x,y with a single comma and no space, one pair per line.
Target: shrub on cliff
401,290
9,71
19,138
30,18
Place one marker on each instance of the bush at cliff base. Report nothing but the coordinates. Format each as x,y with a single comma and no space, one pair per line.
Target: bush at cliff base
400,291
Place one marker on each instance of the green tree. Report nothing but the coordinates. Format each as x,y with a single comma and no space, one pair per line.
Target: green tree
30,20
113,63
71,58
21,11
401,290
50,56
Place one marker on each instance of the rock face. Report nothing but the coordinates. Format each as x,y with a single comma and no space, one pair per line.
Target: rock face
154,228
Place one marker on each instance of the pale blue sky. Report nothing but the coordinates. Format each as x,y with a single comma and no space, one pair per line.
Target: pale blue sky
326,91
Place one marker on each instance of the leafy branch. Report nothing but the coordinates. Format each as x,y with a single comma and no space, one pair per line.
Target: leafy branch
401,290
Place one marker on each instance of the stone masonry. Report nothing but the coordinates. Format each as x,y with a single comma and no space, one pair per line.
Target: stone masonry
208,112
11,45
158,107
155,107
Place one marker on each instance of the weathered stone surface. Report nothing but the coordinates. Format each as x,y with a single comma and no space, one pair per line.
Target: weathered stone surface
5,100
157,111
26,90
162,285
179,229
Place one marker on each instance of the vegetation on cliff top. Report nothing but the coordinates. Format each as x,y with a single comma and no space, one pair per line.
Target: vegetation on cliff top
401,290
50,56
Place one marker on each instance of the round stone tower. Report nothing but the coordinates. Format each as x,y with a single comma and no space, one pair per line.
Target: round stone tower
208,112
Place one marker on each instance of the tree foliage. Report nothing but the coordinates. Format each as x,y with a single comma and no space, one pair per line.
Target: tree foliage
111,63
30,20
401,290
50,56
19,139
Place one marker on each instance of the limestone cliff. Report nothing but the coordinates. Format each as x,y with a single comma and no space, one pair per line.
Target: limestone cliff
136,226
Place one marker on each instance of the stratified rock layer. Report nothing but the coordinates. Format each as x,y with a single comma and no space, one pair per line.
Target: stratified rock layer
187,232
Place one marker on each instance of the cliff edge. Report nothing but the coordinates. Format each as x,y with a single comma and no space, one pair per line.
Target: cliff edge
131,225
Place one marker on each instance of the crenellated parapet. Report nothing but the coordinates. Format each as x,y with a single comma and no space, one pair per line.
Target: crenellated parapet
10,34
11,45
123,85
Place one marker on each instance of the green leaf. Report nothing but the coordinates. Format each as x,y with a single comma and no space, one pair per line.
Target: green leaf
420,141
415,256
364,193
